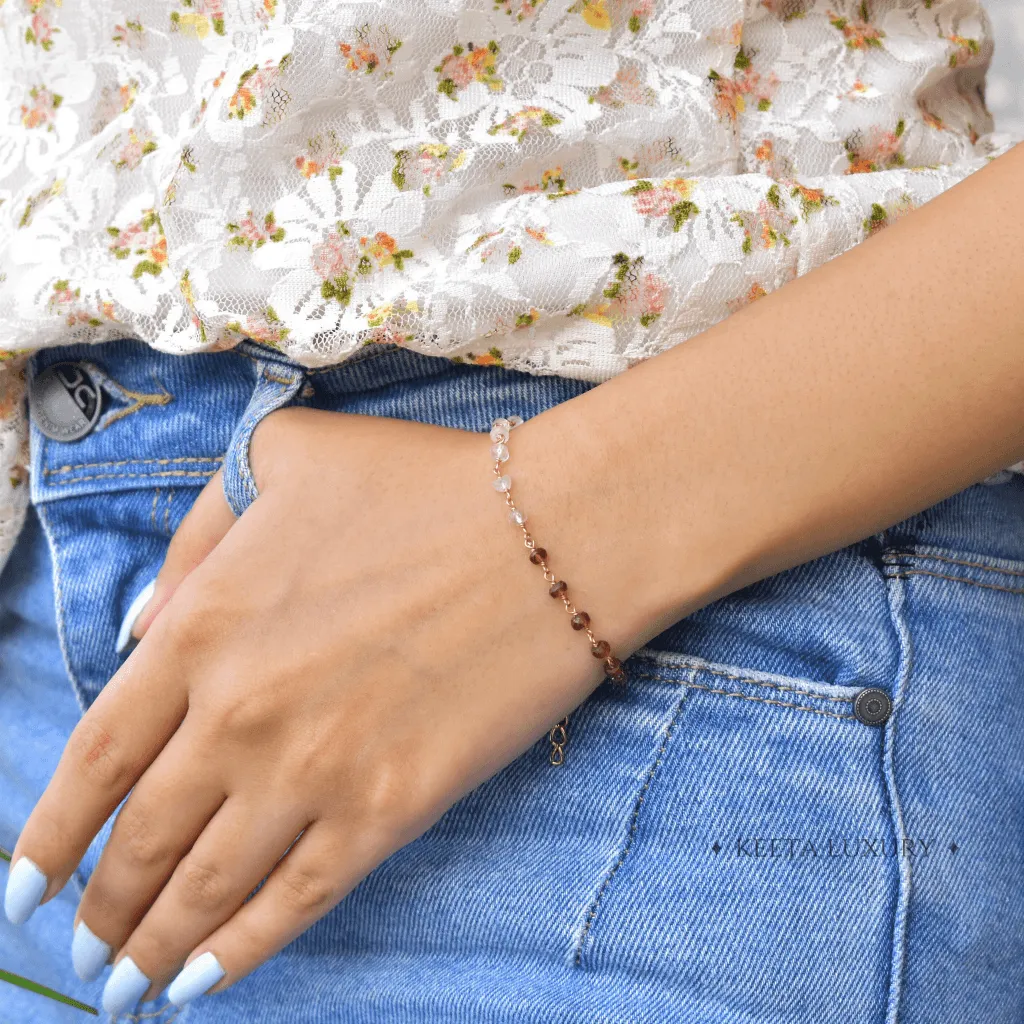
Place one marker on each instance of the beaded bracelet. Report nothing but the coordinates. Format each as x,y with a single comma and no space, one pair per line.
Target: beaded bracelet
558,589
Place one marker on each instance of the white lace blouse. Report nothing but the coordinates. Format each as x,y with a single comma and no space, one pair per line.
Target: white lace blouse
559,186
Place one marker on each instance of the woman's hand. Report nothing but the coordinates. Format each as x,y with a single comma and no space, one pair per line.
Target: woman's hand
318,682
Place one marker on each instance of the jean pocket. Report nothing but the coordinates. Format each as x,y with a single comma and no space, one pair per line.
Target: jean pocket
759,877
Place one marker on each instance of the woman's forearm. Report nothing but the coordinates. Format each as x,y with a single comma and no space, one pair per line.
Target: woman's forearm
865,391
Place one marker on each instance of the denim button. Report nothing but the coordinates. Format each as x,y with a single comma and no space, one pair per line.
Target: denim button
65,401
872,707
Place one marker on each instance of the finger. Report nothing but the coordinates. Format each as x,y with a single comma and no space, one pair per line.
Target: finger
200,532
164,815
134,716
233,855
318,871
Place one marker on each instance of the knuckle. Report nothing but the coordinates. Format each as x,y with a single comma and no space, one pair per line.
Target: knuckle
105,900
140,844
390,797
197,612
306,891
237,715
97,756
202,887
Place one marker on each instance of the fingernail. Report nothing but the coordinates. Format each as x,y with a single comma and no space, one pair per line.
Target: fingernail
26,885
125,986
198,977
124,634
89,953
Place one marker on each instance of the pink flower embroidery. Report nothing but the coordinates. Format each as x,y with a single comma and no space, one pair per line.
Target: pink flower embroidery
859,34
41,111
130,155
881,149
731,94
40,31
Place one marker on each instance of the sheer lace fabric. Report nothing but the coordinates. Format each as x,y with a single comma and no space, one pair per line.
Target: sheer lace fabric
559,186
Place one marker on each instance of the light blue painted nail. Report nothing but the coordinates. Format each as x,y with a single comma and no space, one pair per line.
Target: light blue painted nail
124,634
197,978
125,987
26,885
89,953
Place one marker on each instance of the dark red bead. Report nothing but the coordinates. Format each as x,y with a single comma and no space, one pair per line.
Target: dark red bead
537,555
580,620
612,665
618,677
601,649
558,588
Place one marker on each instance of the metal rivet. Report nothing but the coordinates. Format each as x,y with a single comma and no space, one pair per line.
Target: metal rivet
872,707
65,402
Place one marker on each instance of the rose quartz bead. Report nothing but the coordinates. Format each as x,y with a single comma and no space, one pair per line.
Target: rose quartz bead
499,434
502,483
517,517
499,452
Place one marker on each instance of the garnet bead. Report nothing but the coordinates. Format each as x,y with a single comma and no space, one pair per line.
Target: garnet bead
611,666
618,677
558,588
538,555
580,620
601,649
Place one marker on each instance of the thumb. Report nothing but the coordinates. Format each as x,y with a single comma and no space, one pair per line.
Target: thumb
200,532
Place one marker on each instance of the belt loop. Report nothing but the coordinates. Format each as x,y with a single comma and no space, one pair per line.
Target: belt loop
276,385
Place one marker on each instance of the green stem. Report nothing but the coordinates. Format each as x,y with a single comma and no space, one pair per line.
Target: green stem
42,990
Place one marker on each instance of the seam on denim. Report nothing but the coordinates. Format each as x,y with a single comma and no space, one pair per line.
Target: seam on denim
748,696
896,600
140,400
152,511
891,559
135,476
778,687
278,380
634,822
167,512
47,471
58,606
902,575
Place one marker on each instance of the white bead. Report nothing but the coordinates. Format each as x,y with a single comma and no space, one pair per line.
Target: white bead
501,424
515,421
499,434
516,518
499,453
502,483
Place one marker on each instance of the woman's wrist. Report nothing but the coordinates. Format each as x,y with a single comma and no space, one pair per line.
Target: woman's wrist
638,555
782,434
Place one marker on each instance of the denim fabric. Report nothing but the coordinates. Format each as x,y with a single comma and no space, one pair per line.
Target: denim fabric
726,844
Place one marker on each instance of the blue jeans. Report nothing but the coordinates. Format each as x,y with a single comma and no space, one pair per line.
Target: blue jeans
727,843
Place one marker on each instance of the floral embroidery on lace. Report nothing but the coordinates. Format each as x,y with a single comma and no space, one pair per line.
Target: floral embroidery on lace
557,186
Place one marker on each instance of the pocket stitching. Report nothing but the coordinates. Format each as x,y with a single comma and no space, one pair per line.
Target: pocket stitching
634,823
905,573
754,682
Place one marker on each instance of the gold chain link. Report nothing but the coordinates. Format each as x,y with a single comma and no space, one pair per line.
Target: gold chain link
558,738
